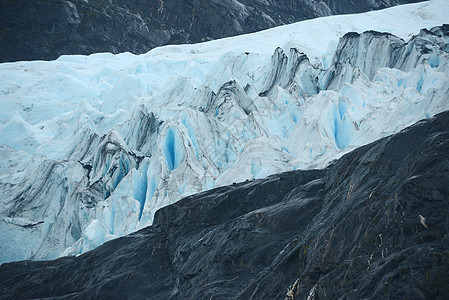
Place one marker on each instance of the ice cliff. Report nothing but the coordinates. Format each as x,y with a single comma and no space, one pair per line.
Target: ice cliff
92,146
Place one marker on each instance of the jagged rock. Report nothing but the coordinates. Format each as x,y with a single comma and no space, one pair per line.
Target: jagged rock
372,225
31,30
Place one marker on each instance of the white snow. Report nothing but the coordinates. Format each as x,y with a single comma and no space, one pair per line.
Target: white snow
80,165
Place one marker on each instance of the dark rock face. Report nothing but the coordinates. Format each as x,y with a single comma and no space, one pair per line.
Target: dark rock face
46,29
372,225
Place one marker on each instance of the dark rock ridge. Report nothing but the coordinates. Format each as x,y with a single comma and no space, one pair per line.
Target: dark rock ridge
374,224
46,29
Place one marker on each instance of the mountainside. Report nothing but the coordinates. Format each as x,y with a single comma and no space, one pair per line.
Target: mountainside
372,225
38,29
91,147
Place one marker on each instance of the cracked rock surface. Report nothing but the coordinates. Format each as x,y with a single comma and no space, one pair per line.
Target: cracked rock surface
374,224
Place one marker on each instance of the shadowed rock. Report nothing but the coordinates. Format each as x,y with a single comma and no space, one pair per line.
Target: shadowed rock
374,224
31,29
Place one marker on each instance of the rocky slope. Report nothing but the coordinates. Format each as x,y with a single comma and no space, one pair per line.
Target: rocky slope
374,224
38,29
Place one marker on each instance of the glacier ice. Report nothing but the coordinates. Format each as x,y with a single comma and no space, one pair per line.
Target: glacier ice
92,146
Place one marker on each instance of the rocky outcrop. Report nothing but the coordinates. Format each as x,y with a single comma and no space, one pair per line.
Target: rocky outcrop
374,224
31,30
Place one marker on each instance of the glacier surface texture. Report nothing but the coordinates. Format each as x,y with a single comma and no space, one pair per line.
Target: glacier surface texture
92,146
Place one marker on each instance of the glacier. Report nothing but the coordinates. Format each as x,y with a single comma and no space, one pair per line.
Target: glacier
92,146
